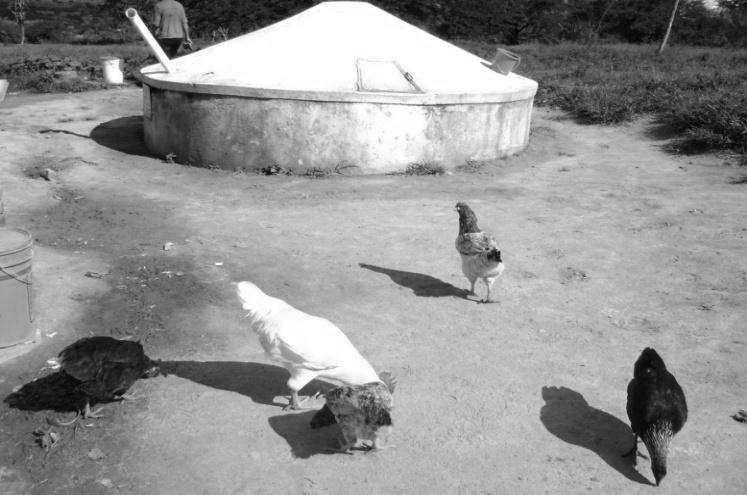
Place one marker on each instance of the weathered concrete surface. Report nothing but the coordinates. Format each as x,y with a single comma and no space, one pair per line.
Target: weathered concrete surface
239,133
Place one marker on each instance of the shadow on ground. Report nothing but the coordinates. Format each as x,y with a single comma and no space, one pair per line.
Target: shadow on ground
421,285
305,442
258,381
263,383
124,134
568,416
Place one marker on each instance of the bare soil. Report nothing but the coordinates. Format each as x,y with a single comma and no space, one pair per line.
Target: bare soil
610,245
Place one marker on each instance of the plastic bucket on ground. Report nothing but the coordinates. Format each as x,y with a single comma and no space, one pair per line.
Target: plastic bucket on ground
505,61
3,89
112,71
16,250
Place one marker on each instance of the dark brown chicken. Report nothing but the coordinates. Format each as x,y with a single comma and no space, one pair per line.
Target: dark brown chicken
106,368
657,409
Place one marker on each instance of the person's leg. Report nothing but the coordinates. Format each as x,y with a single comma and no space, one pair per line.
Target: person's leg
170,46
174,44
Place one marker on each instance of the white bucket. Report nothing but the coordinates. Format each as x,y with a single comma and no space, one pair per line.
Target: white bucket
112,71
3,88
505,61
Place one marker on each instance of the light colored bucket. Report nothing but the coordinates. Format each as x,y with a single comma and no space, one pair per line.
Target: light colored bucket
3,89
505,61
112,71
16,250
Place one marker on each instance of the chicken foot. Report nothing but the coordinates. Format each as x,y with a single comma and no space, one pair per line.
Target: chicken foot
87,413
634,452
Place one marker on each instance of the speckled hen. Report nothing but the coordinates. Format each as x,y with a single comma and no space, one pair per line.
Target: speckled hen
364,413
481,258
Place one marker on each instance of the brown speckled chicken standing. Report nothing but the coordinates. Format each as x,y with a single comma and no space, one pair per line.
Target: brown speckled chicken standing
481,258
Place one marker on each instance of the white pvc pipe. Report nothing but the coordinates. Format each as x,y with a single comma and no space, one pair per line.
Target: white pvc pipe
145,33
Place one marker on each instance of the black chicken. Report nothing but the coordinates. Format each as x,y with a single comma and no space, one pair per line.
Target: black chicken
106,368
656,408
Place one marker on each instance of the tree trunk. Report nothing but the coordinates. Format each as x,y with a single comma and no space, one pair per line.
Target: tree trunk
669,27
23,33
601,17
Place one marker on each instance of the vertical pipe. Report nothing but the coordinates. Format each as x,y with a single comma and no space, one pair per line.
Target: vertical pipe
145,33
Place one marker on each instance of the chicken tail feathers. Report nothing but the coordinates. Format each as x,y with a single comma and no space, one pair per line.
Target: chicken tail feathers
389,379
249,294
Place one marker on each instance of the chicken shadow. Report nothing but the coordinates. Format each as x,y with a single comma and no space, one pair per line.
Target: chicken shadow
55,392
124,134
304,441
258,381
421,285
568,416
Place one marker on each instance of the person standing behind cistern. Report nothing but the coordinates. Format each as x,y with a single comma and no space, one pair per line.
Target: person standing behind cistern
171,26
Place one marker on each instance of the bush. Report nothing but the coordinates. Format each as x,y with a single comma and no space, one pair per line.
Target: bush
45,82
33,67
709,122
698,92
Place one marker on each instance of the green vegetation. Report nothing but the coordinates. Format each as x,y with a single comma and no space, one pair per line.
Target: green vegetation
700,93
425,168
506,21
38,68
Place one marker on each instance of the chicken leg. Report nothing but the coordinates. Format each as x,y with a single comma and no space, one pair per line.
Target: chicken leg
346,444
634,451
295,402
489,285
87,413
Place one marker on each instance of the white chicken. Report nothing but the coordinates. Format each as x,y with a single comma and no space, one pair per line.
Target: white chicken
308,346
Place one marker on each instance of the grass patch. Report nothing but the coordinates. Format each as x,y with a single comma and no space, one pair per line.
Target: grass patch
424,168
32,67
472,166
700,92
341,168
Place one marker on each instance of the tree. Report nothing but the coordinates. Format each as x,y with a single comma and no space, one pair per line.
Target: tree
601,17
734,15
669,27
115,9
19,8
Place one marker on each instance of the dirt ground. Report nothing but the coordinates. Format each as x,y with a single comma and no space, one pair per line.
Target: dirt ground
610,245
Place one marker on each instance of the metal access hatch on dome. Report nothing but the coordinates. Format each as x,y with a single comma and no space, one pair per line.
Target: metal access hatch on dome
384,75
